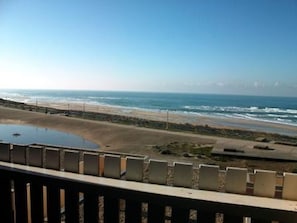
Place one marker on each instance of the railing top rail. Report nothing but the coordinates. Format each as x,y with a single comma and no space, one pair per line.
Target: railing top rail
184,196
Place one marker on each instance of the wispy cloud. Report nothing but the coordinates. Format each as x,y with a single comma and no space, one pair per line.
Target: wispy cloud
220,84
276,84
256,84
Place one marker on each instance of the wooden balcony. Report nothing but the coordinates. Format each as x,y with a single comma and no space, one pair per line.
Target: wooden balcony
89,187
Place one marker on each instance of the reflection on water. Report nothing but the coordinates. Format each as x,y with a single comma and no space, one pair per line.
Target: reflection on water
22,134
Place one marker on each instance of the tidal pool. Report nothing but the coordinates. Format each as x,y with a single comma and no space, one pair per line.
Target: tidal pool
23,134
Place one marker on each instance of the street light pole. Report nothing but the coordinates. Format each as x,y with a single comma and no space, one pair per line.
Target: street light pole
167,119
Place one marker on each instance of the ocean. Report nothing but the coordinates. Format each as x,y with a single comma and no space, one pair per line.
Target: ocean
282,110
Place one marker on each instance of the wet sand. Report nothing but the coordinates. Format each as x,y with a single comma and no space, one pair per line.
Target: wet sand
108,136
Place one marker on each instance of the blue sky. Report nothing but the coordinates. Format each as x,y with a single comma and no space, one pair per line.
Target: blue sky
224,47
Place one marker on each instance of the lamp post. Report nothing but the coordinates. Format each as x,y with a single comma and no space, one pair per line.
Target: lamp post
167,119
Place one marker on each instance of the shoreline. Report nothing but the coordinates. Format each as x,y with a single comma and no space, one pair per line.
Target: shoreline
179,118
175,121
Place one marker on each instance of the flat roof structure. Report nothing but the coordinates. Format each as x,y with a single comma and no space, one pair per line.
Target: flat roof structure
256,150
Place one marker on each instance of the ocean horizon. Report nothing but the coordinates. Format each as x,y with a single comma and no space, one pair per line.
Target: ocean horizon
272,109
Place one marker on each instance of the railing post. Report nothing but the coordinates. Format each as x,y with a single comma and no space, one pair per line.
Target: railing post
156,212
111,209
208,180
5,152
53,204
91,210
158,171
206,217
133,211
71,164
19,154
180,215
21,208
52,158
134,173
289,191
71,161
264,186
265,182
112,168
183,174
35,156
91,163
71,205
236,182
290,186
36,192
52,161
6,212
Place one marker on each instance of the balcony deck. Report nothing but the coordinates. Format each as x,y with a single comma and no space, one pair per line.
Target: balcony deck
112,197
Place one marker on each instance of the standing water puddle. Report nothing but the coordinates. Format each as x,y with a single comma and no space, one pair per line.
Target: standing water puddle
23,134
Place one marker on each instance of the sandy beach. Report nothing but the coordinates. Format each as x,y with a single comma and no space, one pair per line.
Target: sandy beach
176,117
108,136
133,139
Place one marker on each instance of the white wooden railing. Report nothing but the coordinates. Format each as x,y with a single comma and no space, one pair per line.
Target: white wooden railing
43,184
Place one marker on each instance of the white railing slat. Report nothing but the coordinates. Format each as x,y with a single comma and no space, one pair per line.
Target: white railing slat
208,177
